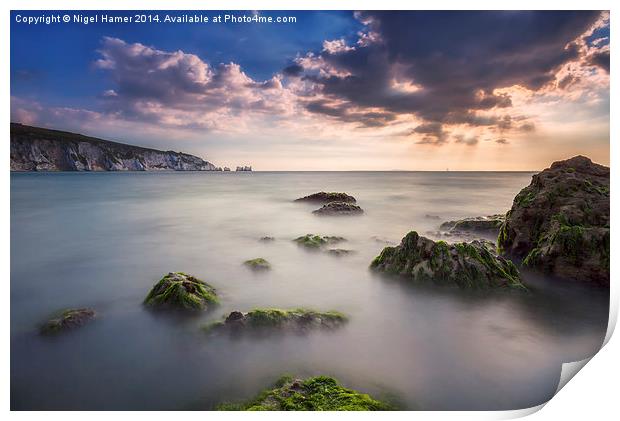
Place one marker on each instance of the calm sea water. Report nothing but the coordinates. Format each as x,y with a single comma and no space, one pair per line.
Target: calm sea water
102,240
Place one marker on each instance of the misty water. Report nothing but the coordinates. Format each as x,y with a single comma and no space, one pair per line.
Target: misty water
102,240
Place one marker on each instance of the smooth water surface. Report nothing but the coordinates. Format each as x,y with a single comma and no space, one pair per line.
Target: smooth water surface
102,240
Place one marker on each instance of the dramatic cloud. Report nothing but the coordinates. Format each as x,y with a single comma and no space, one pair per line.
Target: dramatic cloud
445,68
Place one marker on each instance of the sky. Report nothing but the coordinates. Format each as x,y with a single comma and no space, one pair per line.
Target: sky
333,90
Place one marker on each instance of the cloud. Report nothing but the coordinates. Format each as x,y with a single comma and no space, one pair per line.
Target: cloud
457,62
181,89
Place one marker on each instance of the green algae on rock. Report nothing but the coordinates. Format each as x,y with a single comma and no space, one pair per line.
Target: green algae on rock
178,290
319,393
67,320
473,265
257,264
299,319
313,241
325,197
560,222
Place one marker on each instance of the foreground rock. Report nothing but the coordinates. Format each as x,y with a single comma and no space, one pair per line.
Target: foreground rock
258,264
480,224
467,265
298,320
67,320
313,241
560,222
323,197
178,290
320,393
338,208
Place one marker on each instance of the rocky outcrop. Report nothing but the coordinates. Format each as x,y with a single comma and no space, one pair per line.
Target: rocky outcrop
68,320
323,197
560,222
298,320
313,394
180,291
467,265
38,149
479,224
338,209
313,241
340,252
258,264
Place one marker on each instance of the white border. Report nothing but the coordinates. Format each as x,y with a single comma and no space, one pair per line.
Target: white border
593,394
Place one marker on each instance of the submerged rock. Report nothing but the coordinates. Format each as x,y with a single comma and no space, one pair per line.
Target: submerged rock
313,241
298,320
479,224
320,393
467,265
67,320
324,197
266,239
340,252
339,208
257,264
178,290
560,222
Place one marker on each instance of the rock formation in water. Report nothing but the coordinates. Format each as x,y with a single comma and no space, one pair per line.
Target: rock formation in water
67,320
180,291
479,224
560,222
467,265
39,149
297,320
338,209
323,197
320,393
313,241
258,264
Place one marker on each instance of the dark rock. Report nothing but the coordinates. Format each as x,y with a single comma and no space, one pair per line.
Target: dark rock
339,252
339,208
467,265
178,290
67,320
266,239
323,197
560,222
479,224
428,216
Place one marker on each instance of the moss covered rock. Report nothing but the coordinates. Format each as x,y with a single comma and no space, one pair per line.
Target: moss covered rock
299,320
320,393
258,264
67,320
338,209
313,241
560,222
467,265
178,290
325,197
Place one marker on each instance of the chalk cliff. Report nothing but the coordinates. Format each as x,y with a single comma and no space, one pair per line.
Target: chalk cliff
39,149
